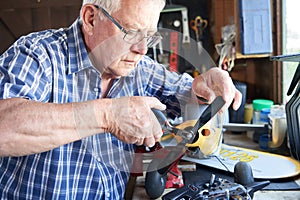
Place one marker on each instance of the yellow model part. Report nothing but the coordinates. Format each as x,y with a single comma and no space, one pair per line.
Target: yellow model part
208,138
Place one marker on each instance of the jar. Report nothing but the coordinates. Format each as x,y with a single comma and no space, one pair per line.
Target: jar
278,126
258,105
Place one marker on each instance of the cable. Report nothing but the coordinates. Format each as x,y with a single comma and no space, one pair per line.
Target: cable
222,163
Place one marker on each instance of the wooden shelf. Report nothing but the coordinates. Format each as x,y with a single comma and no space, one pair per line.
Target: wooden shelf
242,56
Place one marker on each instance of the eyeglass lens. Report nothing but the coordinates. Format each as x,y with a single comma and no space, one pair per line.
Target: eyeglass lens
134,37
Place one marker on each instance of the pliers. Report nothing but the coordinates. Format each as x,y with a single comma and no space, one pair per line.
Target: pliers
189,135
156,175
167,128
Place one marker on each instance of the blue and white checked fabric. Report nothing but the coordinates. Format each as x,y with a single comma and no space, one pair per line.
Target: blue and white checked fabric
54,66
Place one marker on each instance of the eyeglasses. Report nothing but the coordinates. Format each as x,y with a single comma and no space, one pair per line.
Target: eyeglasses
133,36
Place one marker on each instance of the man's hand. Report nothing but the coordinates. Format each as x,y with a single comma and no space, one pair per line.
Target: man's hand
217,82
131,120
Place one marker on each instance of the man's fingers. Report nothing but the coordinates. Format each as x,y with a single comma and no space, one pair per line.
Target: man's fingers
132,120
237,100
139,141
149,141
155,103
156,128
205,94
217,82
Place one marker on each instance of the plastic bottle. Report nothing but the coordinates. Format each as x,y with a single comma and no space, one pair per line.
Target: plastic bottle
264,115
258,105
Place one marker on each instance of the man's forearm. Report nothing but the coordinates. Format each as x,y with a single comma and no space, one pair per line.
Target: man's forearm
29,127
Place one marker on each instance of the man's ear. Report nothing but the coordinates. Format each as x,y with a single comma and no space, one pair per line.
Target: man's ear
88,16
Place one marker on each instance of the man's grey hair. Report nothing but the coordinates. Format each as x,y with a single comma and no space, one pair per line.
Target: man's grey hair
113,5
109,5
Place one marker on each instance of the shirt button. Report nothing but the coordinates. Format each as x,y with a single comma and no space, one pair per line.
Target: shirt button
107,194
96,89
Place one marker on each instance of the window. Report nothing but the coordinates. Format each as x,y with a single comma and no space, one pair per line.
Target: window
291,40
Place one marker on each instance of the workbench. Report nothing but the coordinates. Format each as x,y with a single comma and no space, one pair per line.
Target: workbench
242,140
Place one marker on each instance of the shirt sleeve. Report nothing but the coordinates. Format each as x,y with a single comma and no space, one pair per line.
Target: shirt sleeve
170,88
23,71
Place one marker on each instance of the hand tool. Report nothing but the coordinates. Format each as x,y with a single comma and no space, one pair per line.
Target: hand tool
198,25
158,168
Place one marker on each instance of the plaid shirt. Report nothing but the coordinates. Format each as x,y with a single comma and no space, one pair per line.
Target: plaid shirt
53,66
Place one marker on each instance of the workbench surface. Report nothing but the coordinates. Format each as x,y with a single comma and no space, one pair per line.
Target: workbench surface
242,140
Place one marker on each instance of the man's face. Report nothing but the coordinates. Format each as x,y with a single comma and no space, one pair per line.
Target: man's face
110,53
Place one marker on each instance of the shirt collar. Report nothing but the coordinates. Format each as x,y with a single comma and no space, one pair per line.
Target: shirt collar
78,55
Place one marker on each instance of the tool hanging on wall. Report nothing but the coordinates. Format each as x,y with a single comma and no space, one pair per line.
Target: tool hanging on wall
226,50
198,25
